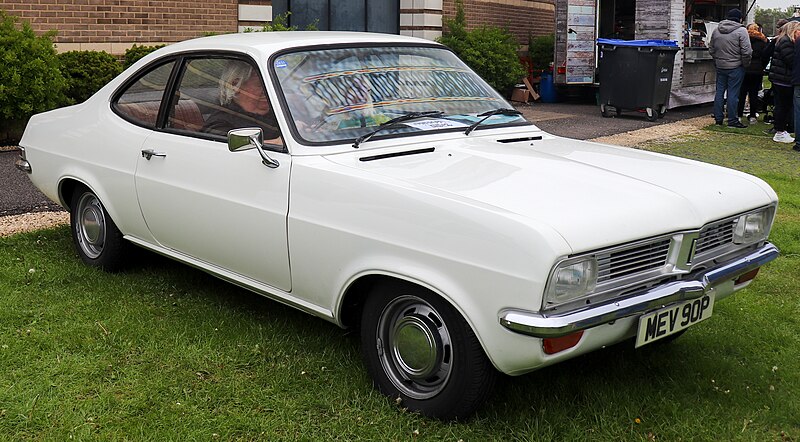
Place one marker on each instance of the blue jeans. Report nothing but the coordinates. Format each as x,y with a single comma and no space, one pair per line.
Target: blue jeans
728,80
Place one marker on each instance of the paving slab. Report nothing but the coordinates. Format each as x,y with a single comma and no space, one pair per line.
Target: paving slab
583,121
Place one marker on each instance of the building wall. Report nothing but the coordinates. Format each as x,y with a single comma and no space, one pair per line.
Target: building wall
521,17
115,25
421,18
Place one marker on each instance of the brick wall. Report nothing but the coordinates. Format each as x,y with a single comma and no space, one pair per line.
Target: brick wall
521,17
115,25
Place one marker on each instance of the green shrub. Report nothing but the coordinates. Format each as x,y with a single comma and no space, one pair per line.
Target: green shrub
134,53
541,50
30,81
281,23
87,71
489,50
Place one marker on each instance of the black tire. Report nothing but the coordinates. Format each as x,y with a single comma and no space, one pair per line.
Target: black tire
96,237
605,111
448,377
652,114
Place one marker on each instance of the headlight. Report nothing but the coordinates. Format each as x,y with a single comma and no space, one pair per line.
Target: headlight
570,280
752,227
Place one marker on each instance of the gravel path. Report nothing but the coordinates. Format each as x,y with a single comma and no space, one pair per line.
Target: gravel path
27,222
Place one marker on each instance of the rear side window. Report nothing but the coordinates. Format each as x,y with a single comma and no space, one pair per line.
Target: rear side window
140,101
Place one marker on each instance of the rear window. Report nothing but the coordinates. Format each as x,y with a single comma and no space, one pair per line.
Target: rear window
141,100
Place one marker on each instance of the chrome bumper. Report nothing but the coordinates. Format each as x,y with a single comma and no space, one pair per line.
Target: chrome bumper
23,165
555,325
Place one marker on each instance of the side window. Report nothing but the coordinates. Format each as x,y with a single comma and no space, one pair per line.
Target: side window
141,100
215,95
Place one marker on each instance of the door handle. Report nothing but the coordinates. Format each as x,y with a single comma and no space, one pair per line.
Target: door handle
150,153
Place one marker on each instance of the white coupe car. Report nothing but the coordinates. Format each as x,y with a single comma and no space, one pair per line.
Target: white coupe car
377,182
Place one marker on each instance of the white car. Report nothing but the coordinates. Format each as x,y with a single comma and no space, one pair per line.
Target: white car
377,182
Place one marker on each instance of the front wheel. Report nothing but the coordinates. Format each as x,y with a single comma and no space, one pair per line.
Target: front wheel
98,241
419,349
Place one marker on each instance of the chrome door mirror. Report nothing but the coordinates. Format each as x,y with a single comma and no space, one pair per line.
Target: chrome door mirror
244,139
248,138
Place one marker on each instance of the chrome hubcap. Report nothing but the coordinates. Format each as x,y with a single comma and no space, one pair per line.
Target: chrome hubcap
415,348
90,228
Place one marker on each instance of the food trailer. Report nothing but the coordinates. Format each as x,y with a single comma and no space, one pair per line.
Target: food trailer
579,23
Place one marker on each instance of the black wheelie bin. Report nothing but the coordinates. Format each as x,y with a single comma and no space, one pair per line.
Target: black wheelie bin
635,75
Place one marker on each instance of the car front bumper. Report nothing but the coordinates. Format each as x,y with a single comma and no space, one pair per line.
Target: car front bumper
555,325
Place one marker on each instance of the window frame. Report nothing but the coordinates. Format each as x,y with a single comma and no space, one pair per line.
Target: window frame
316,47
172,88
133,79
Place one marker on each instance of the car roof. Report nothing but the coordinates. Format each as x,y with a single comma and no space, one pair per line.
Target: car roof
270,42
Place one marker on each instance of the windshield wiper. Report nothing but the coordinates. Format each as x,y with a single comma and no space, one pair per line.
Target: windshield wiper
395,121
491,113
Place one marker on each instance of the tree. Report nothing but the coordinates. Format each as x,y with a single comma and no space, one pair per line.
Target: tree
767,18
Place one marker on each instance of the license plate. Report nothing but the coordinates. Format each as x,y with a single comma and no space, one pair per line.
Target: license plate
670,320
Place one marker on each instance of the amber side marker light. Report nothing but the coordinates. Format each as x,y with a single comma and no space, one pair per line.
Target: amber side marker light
554,345
746,277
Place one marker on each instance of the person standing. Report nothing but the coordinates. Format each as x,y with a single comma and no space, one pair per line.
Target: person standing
753,73
780,74
796,84
731,51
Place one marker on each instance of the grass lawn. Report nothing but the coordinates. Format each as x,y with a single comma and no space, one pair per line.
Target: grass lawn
165,352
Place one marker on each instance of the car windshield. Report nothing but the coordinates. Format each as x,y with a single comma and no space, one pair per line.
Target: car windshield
338,95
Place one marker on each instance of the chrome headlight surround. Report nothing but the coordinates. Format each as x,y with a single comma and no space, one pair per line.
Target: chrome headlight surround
569,280
753,227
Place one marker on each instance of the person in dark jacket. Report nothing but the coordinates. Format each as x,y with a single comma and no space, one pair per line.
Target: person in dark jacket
766,56
731,51
780,74
753,73
796,84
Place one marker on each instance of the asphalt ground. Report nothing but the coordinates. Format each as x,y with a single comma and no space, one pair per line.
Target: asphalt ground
579,120
17,194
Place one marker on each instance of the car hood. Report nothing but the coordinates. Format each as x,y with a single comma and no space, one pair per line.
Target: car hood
594,195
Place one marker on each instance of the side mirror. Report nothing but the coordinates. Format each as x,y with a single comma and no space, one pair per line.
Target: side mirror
248,138
244,139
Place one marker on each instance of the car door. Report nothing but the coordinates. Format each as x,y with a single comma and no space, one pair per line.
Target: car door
224,208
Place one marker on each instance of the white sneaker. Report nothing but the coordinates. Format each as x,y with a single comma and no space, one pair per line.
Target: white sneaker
783,137
753,120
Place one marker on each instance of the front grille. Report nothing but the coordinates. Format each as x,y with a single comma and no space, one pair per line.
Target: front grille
633,260
714,236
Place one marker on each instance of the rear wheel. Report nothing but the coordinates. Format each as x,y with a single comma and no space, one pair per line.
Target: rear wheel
97,239
419,349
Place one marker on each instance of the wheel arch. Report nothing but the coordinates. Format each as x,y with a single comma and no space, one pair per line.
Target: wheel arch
67,188
351,302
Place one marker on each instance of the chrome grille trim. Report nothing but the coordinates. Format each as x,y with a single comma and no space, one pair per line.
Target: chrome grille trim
626,269
715,235
633,260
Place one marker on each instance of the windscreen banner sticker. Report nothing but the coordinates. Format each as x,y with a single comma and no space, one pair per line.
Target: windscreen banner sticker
348,91
280,64
435,124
